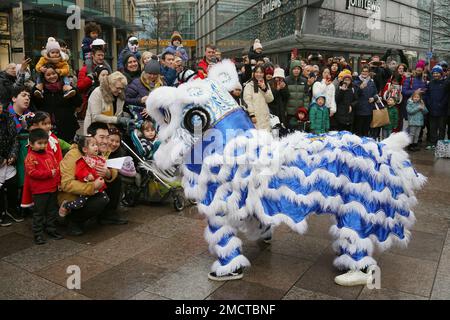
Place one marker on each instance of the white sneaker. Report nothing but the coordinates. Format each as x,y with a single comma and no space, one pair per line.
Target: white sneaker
236,275
352,278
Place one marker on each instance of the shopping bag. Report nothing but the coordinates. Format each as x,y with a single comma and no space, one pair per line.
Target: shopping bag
380,117
442,149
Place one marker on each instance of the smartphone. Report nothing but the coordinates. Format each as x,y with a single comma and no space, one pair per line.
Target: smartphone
312,75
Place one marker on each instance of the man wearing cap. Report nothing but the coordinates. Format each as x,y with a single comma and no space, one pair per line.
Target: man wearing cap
436,100
413,83
132,47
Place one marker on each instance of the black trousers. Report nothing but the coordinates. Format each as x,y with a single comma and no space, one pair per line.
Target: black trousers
11,194
45,212
93,207
362,125
437,129
113,191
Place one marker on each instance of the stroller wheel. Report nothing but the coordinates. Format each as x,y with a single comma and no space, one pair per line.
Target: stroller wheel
129,198
192,202
178,202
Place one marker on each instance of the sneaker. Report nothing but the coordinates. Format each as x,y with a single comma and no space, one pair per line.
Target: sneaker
39,240
38,94
5,221
268,240
236,275
63,211
15,215
69,94
430,147
352,278
55,235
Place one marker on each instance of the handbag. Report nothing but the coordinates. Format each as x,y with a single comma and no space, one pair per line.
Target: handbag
442,149
380,117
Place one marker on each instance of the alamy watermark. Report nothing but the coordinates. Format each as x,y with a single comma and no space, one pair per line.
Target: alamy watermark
74,280
73,22
374,279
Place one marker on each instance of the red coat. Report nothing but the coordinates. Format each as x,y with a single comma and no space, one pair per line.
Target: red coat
203,69
83,169
38,169
27,199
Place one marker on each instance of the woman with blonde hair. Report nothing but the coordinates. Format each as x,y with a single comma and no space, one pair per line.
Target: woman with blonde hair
106,102
146,57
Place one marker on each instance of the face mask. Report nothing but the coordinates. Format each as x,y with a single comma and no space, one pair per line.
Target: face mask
133,45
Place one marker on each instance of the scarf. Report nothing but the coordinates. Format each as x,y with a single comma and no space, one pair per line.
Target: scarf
93,161
151,85
54,87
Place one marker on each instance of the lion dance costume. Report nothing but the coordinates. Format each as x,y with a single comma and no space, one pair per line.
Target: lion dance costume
246,180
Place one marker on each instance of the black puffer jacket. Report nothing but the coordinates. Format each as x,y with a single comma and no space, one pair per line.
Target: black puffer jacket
344,100
278,105
7,84
9,145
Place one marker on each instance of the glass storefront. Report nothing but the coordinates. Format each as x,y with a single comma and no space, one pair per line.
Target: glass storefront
334,25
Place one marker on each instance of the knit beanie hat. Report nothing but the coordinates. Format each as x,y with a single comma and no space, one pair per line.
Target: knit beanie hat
257,44
421,64
438,69
52,44
176,35
98,69
269,70
153,67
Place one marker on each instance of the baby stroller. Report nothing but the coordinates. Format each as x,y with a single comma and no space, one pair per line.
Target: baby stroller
150,183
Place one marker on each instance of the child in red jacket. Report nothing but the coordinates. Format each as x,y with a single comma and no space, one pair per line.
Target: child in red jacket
85,172
42,120
42,171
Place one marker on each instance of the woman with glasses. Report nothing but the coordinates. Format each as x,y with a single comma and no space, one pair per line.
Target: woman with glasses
106,102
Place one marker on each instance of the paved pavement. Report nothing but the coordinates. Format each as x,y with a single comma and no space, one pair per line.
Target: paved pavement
161,254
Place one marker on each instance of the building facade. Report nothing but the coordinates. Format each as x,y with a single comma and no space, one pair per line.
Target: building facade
33,21
355,29
160,18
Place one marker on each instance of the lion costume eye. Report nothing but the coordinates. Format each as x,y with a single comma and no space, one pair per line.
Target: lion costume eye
166,114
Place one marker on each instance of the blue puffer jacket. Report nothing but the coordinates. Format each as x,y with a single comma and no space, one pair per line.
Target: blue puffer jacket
135,92
411,85
415,115
363,107
436,97
169,74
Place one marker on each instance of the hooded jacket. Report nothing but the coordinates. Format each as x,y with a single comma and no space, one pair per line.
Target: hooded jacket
319,116
298,91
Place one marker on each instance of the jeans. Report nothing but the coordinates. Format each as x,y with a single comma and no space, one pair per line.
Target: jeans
414,132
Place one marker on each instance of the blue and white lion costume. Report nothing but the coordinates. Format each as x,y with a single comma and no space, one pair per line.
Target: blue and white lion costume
246,180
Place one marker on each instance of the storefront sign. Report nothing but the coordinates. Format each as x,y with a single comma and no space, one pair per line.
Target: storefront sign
269,6
370,5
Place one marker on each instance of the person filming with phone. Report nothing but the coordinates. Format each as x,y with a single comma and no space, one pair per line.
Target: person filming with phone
257,96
